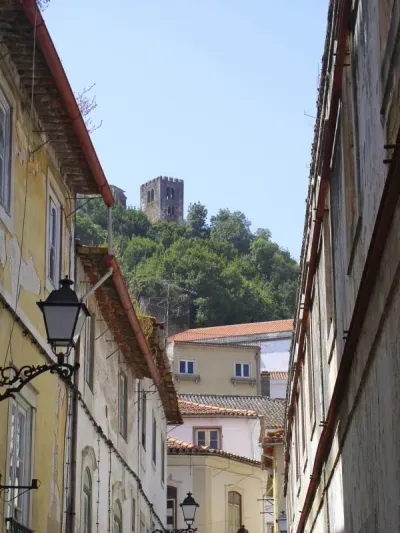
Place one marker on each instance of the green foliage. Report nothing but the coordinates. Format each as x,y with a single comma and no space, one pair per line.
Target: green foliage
217,273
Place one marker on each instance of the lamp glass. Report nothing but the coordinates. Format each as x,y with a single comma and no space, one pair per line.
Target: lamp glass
282,522
60,321
189,507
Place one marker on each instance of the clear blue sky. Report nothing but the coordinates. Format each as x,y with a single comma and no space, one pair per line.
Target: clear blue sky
209,91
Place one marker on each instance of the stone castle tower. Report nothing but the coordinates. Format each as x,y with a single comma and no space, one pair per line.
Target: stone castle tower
162,199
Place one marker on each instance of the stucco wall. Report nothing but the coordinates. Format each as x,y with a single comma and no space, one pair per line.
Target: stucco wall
210,479
94,453
239,435
275,354
277,388
214,366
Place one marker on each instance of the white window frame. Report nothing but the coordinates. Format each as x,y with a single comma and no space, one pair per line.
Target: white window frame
7,100
26,403
123,405
186,361
242,364
52,200
207,431
90,334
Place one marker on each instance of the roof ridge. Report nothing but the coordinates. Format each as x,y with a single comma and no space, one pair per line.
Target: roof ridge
258,396
219,409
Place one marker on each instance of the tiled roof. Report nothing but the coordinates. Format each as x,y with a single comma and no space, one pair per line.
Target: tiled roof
274,437
197,409
275,374
236,330
273,409
177,447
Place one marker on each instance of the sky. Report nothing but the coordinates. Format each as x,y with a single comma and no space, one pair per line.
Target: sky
214,92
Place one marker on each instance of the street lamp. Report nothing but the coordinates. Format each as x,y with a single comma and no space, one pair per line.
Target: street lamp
64,316
189,507
282,522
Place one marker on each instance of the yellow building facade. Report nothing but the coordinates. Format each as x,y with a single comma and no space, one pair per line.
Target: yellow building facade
46,159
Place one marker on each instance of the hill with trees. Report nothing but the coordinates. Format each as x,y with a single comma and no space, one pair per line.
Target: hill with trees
199,273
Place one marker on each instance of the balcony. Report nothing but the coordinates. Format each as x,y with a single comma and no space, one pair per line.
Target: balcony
247,380
187,377
12,526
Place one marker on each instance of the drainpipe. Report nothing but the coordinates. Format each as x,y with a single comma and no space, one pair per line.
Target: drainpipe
74,443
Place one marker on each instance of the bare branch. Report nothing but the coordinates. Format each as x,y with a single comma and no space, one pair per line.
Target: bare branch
86,105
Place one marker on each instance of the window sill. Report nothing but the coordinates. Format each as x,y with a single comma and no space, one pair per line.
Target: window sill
248,381
187,377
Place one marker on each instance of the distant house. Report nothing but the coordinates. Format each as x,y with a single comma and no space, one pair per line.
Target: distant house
119,195
243,351
274,384
218,455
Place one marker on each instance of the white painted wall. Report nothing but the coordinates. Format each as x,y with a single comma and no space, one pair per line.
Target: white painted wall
277,388
94,453
239,435
275,354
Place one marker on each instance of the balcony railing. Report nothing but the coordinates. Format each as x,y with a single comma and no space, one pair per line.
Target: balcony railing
15,527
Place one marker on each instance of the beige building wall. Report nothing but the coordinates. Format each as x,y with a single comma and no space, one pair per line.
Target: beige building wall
214,369
210,478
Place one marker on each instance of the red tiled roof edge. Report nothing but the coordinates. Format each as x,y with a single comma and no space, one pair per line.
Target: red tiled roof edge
213,410
177,447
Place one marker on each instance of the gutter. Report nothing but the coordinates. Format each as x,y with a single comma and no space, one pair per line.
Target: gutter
67,97
133,319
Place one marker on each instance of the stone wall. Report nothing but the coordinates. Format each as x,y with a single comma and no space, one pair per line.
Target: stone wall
163,199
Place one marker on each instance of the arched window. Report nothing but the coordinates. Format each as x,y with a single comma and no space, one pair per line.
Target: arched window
87,501
117,517
168,193
152,195
148,197
234,511
172,193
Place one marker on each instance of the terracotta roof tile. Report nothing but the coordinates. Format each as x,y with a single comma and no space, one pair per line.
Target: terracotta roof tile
274,437
197,409
177,447
235,330
275,374
273,409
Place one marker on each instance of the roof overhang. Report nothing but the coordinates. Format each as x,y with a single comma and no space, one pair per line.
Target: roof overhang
24,33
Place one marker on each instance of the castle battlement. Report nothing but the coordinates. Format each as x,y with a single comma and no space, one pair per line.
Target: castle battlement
162,198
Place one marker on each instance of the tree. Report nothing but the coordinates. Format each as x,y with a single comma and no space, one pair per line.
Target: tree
232,227
89,233
137,249
197,220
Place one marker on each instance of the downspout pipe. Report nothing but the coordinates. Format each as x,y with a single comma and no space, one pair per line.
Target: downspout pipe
133,319
67,97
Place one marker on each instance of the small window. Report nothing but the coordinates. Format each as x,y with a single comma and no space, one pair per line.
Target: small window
89,350
154,443
5,153
172,496
234,511
117,517
173,210
20,459
87,502
123,404
144,416
133,514
152,195
169,210
208,437
186,367
54,238
242,370
162,448
172,193
168,193
148,197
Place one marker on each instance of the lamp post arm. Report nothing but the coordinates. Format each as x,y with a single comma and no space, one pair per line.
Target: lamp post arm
16,379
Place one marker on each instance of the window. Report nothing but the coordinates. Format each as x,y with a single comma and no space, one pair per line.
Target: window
303,425
117,517
87,501
208,437
152,195
20,467
296,441
186,367
162,448
5,154
154,444
169,210
234,511
89,350
168,193
172,210
310,376
123,404
172,193
172,496
148,197
54,238
133,514
242,370
144,407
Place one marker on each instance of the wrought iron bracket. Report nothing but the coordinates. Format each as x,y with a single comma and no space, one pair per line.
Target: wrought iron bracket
35,483
15,379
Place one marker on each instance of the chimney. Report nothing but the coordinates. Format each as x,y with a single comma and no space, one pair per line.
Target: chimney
265,384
